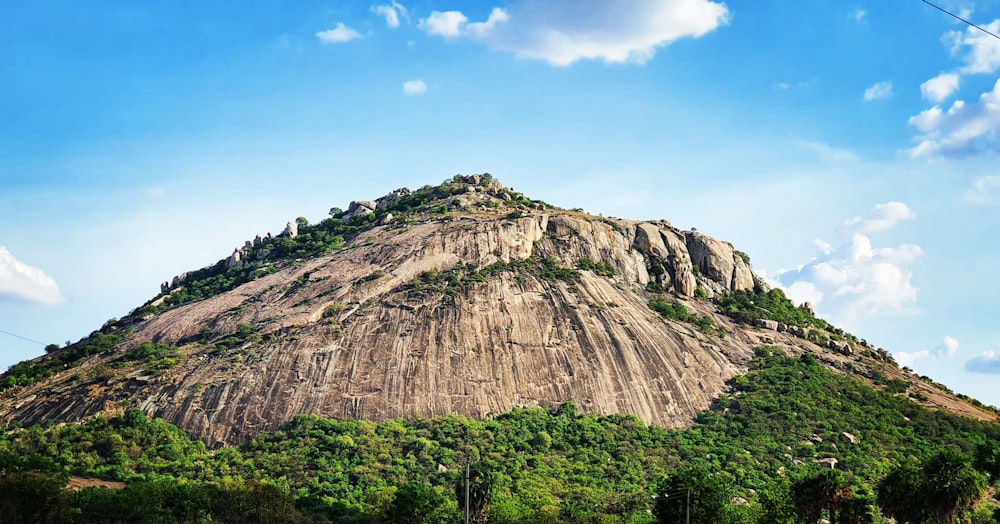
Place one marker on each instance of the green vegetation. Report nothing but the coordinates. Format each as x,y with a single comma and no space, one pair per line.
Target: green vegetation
672,310
599,268
271,254
533,464
748,306
156,357
333,310
243,333
331,234
30,371
374,275
458,279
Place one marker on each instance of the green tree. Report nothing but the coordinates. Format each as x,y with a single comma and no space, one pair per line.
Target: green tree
899,494
32,497
951,485
776,503
420,503
709,496
939,489
988,458
482,483
819,491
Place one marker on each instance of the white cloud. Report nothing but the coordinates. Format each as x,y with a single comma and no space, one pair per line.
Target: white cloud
339,34
497,16
946,348
880,218
823,246
563,31
858,15
904,358
156,192
983,190
985,362
940,87
391,13
963,130
878,91
857,278
981,52
414,87
19,281
448,24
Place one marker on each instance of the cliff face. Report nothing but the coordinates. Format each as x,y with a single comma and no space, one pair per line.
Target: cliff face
471,313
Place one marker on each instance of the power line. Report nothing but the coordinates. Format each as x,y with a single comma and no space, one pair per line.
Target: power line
949,13
22,338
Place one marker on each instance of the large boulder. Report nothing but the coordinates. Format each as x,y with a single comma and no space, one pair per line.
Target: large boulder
360,207
679,264
742,275
649,241
768,324
830,462
718,262
668,248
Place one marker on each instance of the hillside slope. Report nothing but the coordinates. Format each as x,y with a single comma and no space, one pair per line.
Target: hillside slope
463,298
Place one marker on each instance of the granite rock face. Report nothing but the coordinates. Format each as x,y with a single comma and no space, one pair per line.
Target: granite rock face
352,334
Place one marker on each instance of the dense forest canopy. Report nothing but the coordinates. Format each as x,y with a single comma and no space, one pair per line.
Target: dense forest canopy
761,454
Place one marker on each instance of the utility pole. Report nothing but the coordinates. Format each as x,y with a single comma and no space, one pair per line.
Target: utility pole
466,493
687,514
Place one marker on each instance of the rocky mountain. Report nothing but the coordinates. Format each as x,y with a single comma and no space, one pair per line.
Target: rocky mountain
466,297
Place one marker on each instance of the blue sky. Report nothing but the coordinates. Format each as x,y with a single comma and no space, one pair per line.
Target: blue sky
849,148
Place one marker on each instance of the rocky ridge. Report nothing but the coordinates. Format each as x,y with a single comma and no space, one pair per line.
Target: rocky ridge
468,299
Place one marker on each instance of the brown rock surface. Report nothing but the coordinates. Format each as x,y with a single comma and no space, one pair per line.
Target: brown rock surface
346,334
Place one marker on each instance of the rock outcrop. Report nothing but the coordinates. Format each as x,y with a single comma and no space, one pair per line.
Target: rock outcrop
360,207
369,331
720,263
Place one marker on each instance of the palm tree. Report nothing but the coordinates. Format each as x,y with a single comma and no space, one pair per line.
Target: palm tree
825,489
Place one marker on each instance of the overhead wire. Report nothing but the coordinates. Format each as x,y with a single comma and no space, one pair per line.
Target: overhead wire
949,13
22,338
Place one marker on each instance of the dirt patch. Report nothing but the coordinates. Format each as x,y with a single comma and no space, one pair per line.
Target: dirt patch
78,483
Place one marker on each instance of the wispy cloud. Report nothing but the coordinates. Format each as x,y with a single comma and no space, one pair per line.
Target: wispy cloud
878,91
946,349
829,153
984,190
392,13
21,282
880,218
339,34
414,87
858,15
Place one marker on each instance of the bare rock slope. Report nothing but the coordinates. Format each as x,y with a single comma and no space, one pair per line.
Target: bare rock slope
492,303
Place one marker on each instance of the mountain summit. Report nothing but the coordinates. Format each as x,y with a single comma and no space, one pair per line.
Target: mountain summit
466,297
